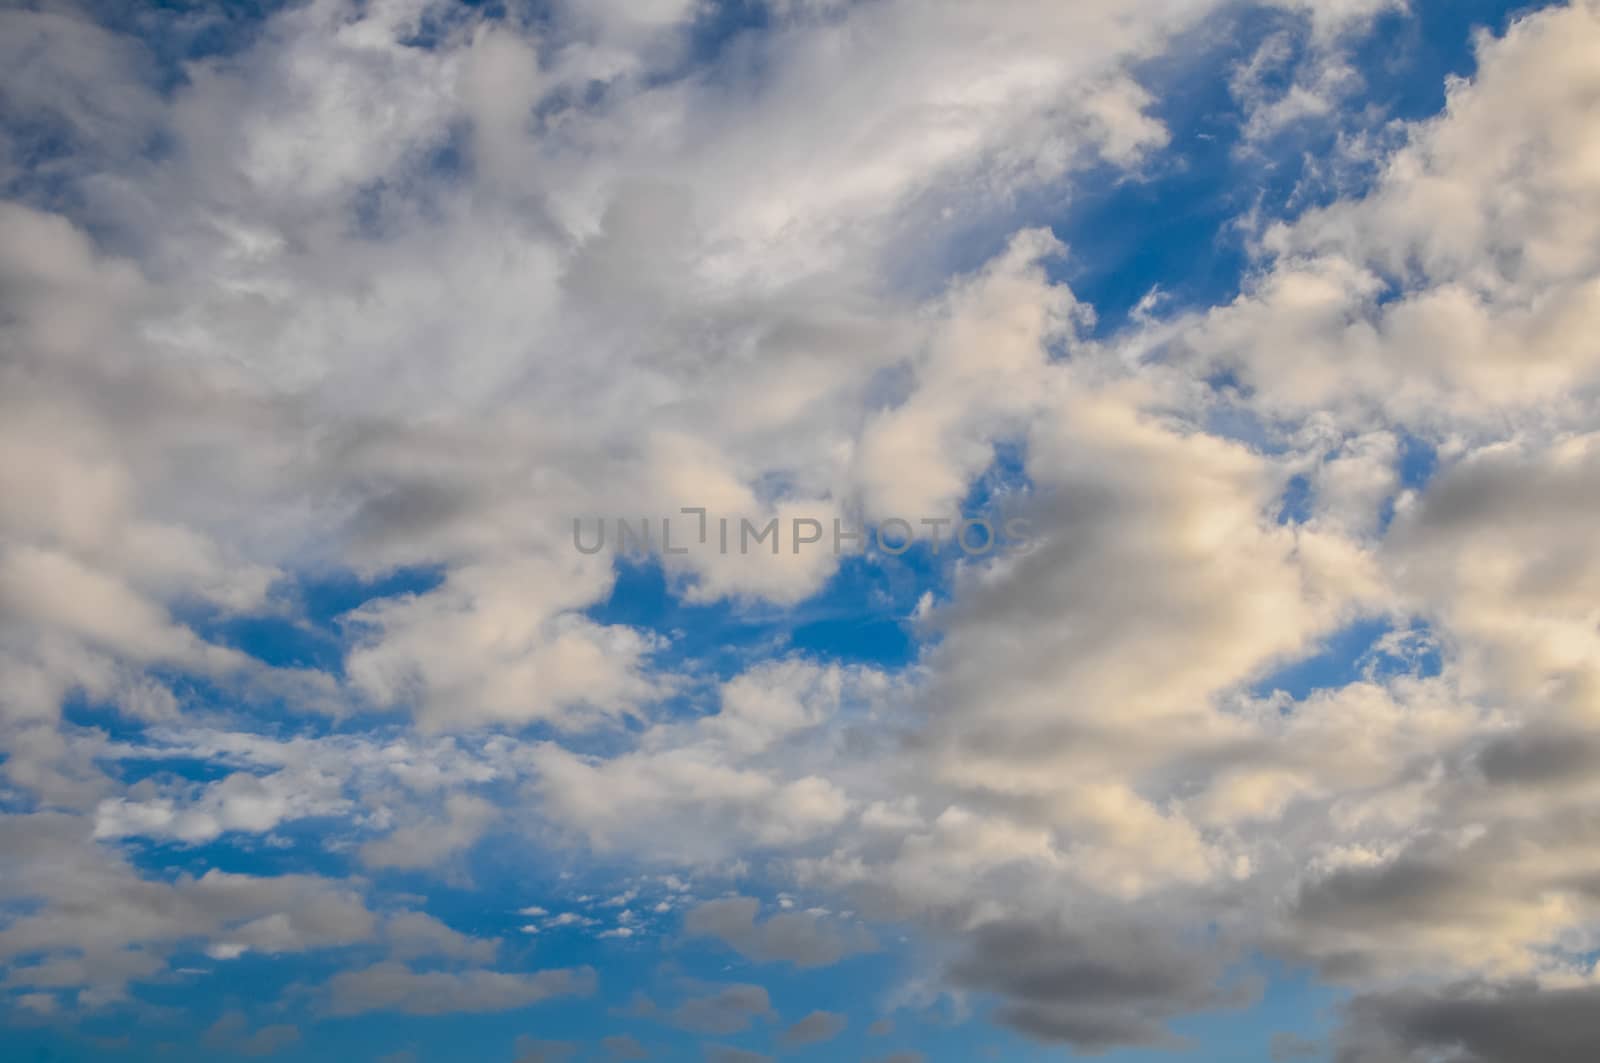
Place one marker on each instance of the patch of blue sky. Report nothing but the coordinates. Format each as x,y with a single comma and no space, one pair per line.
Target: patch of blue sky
306,625
306,622
1170,226
1369,649
423,190
1419,463
176,33
862,615
315,845
1291,1001
1415,466
666,970
1410,56
723,34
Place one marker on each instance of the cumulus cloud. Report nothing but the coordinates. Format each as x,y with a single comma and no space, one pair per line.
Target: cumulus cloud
240,802
1432,297
755,774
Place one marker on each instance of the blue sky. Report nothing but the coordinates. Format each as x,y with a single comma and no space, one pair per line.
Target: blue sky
322,325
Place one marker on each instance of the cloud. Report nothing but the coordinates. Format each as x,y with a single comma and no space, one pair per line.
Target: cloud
93,922
532,1050
815,1028
729,1009
416,934
427,843
477,651
801,938
623,1047
231,1033
1093,990
755,775
1429,907
270,1040
1475,1022
392,986
730,1054
1286,1047
1418,297
399,287
240,802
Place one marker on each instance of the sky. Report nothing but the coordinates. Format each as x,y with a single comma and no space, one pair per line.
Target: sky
895,531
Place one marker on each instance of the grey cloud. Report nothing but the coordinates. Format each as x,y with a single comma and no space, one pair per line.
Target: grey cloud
1433,903
230,1034
269,1040
623,1047
416,934
801,938
98,923
815,1028
533,1050
76,80
391,986
730,1009
227,1028
1407,889
730,1054
229,381
1539,757
1474,1023
1287,1047
1094,990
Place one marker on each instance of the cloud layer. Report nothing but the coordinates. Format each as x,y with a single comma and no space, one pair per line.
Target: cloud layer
386,295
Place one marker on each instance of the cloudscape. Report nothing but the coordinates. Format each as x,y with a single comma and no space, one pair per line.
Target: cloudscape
885,531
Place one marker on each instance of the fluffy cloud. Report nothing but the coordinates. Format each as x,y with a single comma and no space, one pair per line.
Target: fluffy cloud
754,774
1436,296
